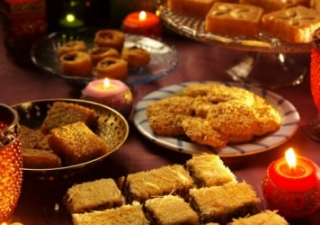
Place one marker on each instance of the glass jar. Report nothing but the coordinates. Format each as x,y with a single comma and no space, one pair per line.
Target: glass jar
10,162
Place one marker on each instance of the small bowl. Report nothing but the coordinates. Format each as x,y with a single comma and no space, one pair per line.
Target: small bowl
112,127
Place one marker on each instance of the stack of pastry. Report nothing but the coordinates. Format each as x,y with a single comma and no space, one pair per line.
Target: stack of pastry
170,195
107,58
290,21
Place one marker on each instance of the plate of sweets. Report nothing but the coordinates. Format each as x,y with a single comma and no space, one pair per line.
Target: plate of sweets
50,131
87,54
224,118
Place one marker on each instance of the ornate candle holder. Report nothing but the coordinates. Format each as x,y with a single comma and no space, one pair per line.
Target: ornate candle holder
114,94
294,193
10,162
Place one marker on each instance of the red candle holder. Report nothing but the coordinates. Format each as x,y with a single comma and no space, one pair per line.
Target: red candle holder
10,162
294,193
116,95
147,25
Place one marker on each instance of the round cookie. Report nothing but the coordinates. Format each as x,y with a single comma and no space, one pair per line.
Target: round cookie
110,38
136,57
76,63
98,53
111,67
72,46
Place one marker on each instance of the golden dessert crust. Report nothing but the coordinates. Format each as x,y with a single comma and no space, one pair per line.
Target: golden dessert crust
265,217
110,38
170,209
40,159
62,113
65,142
233,19
114,68
296,24
93,195
136,57
275,5
125,215
70,46
173,179
209,170
244,201
98,53
76,63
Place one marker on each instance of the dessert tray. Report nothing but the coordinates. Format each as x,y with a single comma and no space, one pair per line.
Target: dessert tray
164,58
193,27
111,126
289,114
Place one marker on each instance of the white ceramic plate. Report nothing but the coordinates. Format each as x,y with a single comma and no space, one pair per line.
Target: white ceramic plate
289,114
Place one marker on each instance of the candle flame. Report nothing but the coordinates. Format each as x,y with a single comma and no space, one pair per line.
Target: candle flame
291,158
70,18
106,83
142,15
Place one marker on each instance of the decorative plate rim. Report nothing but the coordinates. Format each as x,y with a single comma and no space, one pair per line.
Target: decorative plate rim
289,126
142,75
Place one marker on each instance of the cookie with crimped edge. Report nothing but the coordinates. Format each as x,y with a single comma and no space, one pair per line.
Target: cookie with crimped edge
93,195
62,113
170,209
209,170
221,204
75,143
172,179
264,218
294,25
124,215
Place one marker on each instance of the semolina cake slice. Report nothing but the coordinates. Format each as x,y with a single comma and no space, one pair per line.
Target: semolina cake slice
222,203
233,19
172,179
295,25
209,170
29,137
40,159
170,209
124,215
275,5
263,218
62,113
93,195
75,143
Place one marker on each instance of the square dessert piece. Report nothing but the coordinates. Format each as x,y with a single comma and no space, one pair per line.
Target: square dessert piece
275,5
62,113
126,214
173,179
233,19
75,143
222,203
296,24
170,209
315,4
263,218
93,195
209,170
39,159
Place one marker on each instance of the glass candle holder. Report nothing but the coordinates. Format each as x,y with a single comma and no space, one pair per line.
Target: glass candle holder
10,162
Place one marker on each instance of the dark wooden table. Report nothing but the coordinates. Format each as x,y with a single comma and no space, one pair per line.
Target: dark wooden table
40,201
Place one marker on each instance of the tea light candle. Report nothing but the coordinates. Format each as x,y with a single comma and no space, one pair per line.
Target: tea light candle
292,185
112,93
144,23
70,21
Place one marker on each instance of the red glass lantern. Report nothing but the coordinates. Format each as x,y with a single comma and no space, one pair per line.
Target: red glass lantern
10,162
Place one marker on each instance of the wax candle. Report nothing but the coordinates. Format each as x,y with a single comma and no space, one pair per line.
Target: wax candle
291,185
143,23
70,21
110,92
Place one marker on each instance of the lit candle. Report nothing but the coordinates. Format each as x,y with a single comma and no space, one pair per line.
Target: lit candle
71,21
292,185
112,93
144,23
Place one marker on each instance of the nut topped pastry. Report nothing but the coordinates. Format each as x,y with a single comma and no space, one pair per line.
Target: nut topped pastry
233,19
110,38
296,24
76,45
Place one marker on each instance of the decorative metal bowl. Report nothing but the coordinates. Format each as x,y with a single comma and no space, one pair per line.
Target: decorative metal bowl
111,126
